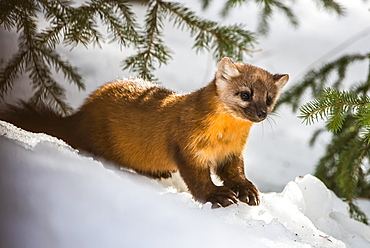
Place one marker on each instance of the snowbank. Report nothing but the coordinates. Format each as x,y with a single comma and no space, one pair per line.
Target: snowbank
54,197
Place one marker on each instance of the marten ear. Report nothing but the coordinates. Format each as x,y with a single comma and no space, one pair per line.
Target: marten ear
226,70
281,80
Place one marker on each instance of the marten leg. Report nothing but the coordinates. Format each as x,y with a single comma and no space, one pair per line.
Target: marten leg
198,180
232,173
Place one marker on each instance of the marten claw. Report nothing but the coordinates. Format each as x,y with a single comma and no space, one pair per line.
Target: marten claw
223,203
249,195
222,198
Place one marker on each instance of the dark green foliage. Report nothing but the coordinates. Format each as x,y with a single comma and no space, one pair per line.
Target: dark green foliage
152,51
334,106
232,41
345,106
72,26
316,80
36,53
33,56
268,8
331,5
344,168
266,13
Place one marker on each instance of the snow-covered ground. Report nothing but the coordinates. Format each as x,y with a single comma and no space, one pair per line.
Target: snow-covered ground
54,197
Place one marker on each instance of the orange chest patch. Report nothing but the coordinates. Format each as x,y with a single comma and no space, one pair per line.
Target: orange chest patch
221,135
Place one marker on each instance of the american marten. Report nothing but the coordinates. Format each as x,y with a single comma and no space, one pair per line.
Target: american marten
155,131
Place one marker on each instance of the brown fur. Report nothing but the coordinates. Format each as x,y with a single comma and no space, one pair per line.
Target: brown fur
155,131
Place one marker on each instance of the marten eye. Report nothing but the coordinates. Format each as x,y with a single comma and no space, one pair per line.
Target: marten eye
245,96
268,101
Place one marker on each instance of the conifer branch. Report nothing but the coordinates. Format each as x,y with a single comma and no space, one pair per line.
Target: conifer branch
232,41
350,173
318,79
334,106
58,14
347,114
46,88
229,41
83,28
36,59
229,5
357,213
268,7
205,3
10,72
75,25
152,51
267,11
122,30
70,72
331,6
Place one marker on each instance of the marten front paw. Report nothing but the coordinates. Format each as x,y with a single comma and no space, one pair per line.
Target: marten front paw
221,197
248,193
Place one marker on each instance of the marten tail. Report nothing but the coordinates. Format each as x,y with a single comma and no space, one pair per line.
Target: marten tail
37,118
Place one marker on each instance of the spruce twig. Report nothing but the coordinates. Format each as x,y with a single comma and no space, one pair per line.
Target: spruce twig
151,52
73,25
332,105
269,7
318,79
232,41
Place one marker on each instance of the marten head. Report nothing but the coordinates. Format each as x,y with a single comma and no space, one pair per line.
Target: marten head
247,91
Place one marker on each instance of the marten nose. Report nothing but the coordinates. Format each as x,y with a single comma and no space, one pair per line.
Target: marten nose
261,114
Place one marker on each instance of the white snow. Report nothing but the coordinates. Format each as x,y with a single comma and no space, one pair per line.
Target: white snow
54,197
